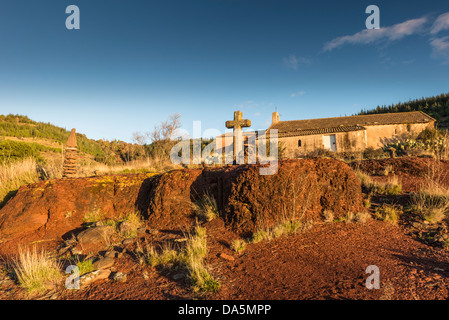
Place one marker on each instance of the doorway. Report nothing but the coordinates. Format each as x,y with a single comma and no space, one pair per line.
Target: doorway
330,142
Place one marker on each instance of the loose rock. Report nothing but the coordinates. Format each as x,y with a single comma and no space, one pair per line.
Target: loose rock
93,276
103,263
95,235
120,277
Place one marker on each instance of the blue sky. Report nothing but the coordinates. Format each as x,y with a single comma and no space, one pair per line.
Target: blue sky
133,63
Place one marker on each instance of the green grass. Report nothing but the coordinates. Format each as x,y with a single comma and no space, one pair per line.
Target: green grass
93,216
85,266
29,128
11,151
388,213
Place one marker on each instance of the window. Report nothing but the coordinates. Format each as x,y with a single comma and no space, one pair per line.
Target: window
299,143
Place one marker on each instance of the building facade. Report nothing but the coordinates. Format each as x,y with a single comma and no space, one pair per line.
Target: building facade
340,134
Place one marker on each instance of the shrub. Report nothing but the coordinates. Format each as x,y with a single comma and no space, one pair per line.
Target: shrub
206,208
328,216
35,270
366,203
371,153
388,213
431,203
85,266
284,228
14,175
129,224
392,187
238,245
362,217
190,258
93,217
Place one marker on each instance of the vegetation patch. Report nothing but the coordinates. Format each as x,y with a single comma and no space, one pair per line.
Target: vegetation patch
206,208
238,245
284,228
388,213
190,258
36,270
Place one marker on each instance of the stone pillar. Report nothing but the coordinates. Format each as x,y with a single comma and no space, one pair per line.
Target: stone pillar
71,155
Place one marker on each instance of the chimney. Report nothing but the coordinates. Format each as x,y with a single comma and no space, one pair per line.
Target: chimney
275,117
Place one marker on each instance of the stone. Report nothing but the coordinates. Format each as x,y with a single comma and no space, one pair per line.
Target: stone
76,250
111,254
120,277
128,241
226,257
71,141
103,263
95,234
179,276
93,276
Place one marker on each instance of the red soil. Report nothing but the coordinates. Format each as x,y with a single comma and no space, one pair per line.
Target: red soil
325,262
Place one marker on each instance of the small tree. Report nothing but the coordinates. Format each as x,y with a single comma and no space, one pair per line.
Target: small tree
161,137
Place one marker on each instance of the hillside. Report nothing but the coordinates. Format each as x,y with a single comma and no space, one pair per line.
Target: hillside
34,137
437,107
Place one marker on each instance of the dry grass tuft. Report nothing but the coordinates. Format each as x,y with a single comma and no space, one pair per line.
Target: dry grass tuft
206,208
238,245
16,174
388,213
284,228
36,270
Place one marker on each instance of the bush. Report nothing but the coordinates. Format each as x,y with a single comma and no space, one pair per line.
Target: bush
238,245
431,203
36,270
388,213
371,153
206,208
286,227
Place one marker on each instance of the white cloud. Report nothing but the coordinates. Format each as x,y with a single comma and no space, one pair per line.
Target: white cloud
257,114
368,36
299,93
247,105
441,23
440,48
293,62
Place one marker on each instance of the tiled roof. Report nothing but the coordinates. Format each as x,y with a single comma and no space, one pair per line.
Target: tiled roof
344,124
307,132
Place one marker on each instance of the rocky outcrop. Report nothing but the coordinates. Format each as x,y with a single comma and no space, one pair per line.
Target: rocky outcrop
246,199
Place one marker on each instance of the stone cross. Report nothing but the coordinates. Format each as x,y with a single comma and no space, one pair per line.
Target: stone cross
237,124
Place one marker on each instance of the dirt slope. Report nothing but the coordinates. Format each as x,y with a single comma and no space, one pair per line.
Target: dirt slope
326,262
